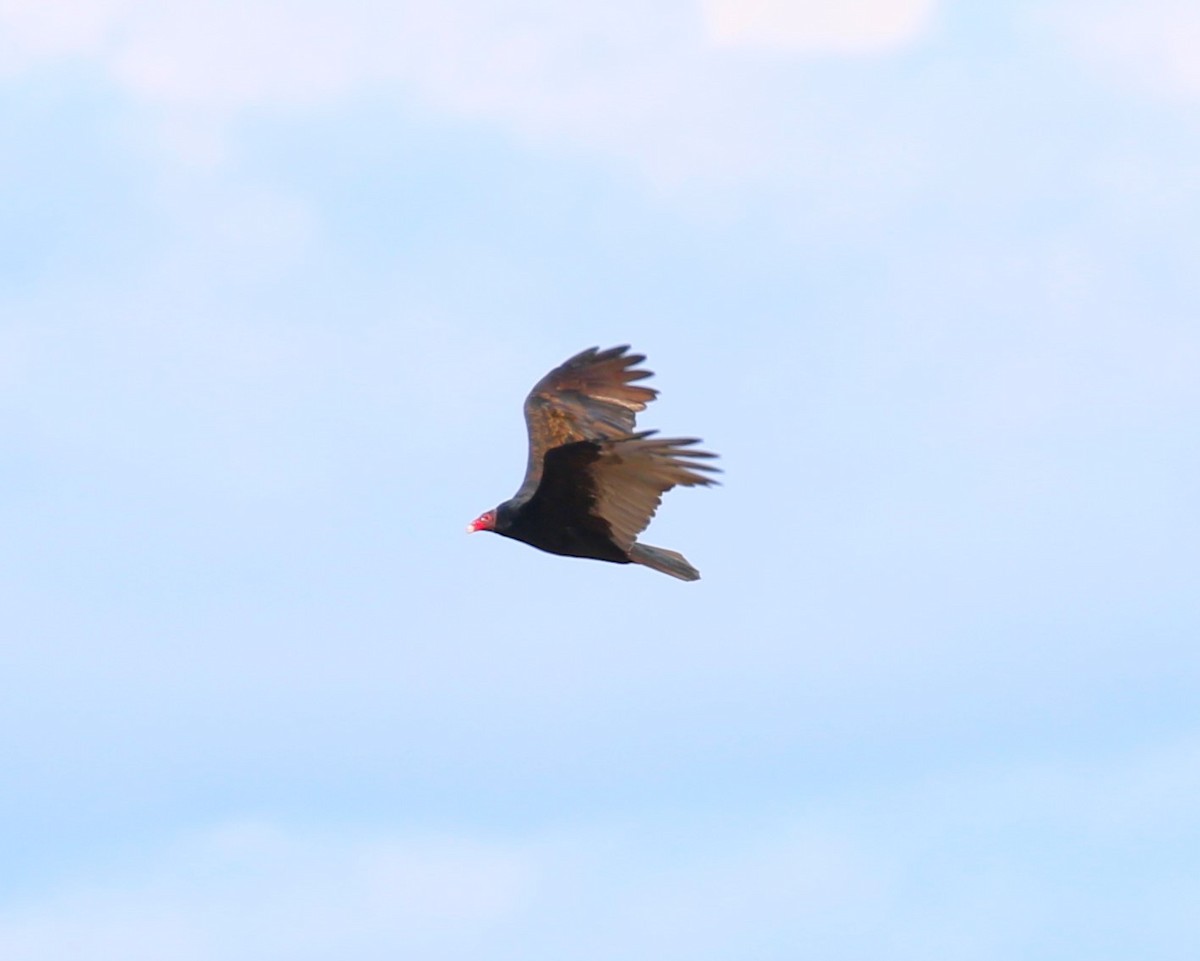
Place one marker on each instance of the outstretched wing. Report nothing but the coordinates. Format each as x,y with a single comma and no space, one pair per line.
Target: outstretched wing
590,397
630,476
617,485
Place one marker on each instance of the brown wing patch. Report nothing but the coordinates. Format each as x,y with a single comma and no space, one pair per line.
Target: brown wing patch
631,475
589,397
559,426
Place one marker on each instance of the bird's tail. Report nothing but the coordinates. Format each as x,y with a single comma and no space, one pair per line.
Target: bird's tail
661,559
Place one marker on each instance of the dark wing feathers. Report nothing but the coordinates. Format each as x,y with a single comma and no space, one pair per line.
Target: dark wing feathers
631,475
617,485
590,397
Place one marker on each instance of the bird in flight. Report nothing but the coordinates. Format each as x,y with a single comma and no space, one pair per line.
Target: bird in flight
592,483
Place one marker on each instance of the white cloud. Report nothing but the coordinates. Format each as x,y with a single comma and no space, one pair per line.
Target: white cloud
31,31
252,891
644,81
847,26
1152,44
966,865
245,892
221,55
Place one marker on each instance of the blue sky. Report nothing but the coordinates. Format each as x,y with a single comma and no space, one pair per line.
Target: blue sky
274,280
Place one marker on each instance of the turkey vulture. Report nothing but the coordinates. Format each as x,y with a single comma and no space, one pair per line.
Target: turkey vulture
592,483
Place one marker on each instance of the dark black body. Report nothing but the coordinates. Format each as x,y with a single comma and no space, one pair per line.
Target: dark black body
558,517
